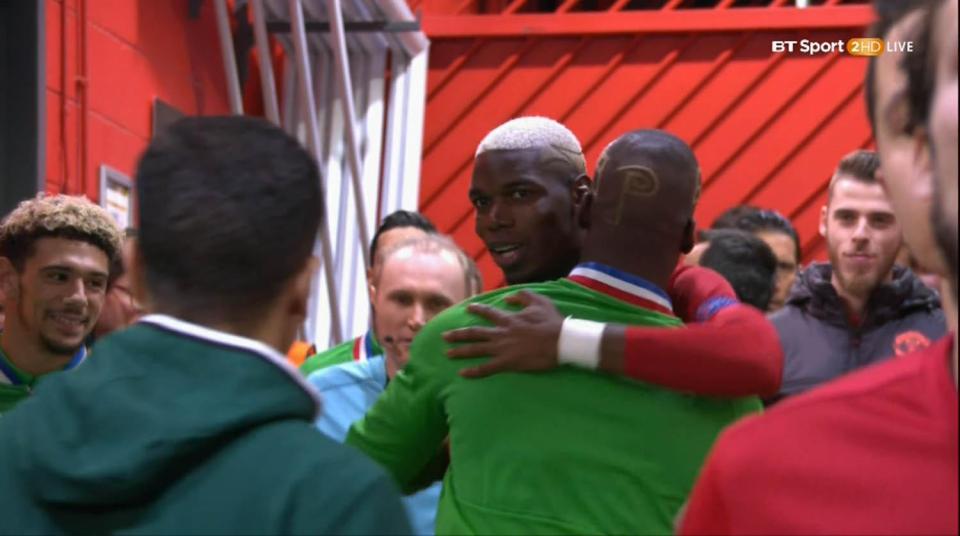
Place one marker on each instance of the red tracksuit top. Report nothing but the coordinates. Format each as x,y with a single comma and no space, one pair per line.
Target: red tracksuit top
874,452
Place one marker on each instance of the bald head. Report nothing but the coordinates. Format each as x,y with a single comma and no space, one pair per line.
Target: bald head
647,179
641,217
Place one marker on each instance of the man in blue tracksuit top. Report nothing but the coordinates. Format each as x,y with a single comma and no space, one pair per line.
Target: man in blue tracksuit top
416,280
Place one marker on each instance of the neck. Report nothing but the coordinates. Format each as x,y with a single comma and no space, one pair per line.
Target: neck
267,328
853,303
28,354
656,269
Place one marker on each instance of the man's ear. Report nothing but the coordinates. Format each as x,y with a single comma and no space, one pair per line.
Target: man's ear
689,236
582,185
371,287
299,288
922,160
823,220
583,209
8,280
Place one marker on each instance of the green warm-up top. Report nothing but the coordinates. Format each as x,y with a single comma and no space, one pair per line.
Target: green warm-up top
568,451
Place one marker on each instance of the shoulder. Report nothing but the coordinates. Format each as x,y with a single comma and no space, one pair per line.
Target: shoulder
457,316
879,392
344,374
328,487
304,453
341,353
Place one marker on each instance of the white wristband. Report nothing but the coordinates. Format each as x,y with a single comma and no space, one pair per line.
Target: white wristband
579,343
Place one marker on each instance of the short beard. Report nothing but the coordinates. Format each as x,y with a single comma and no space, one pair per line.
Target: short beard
861,286
59,349
48,344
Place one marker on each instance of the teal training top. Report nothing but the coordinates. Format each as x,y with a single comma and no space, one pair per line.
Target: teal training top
567,451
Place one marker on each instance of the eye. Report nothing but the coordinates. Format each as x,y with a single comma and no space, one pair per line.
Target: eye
56,276
845,217
882,220
438,304
403,300
480,203
519,195
98,284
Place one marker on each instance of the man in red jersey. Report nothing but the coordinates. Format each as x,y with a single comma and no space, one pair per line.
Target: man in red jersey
875,452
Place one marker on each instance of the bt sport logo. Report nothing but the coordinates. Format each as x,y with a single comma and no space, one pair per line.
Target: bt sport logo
859,46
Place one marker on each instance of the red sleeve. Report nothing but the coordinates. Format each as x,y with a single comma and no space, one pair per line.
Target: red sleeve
705,512
735,353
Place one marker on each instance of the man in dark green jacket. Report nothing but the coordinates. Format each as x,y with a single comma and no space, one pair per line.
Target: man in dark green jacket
191,421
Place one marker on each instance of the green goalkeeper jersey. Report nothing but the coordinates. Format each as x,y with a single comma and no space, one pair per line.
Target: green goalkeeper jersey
568,451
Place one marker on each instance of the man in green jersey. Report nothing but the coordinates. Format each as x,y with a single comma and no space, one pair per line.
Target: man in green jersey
56,255
567,451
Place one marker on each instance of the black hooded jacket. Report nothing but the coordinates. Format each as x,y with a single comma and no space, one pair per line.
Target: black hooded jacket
819,343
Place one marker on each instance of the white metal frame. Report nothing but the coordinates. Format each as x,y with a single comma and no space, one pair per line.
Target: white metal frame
362,145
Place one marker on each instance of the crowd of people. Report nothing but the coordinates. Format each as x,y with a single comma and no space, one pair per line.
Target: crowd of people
637,376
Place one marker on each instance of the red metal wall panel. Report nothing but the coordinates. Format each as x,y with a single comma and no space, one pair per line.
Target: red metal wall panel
136,51
767,128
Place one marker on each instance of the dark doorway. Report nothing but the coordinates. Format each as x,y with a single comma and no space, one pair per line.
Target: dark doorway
22,114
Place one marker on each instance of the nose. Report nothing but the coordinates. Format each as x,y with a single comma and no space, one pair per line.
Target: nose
418,317
77,292
861,232
499,216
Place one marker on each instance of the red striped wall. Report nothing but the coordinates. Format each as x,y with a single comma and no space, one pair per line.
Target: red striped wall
767,128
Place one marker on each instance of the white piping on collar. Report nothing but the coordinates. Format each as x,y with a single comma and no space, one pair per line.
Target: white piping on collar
228,339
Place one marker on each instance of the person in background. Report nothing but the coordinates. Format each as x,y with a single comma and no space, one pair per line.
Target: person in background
746,262
859,308
726,220
56,257
191,421
395,228
413,282
778,233
874,452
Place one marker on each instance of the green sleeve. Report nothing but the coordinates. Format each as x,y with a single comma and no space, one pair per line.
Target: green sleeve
407,425
341,353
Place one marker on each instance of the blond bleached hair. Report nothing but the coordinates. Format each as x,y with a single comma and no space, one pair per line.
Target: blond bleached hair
434,244
57,216
534,132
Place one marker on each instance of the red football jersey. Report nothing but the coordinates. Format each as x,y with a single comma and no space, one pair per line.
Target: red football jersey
872,453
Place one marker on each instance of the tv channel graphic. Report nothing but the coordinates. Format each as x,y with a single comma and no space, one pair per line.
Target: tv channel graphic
858,46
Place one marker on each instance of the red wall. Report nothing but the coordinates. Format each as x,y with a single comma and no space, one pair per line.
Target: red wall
768,129
136,50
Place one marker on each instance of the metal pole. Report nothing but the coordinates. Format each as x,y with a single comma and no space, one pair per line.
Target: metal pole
267,84
350,118
229,57
313,136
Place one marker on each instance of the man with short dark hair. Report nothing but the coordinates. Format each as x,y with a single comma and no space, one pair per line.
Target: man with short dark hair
191,421
860,308
746,262
56,258
558,452
397,227
778,233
